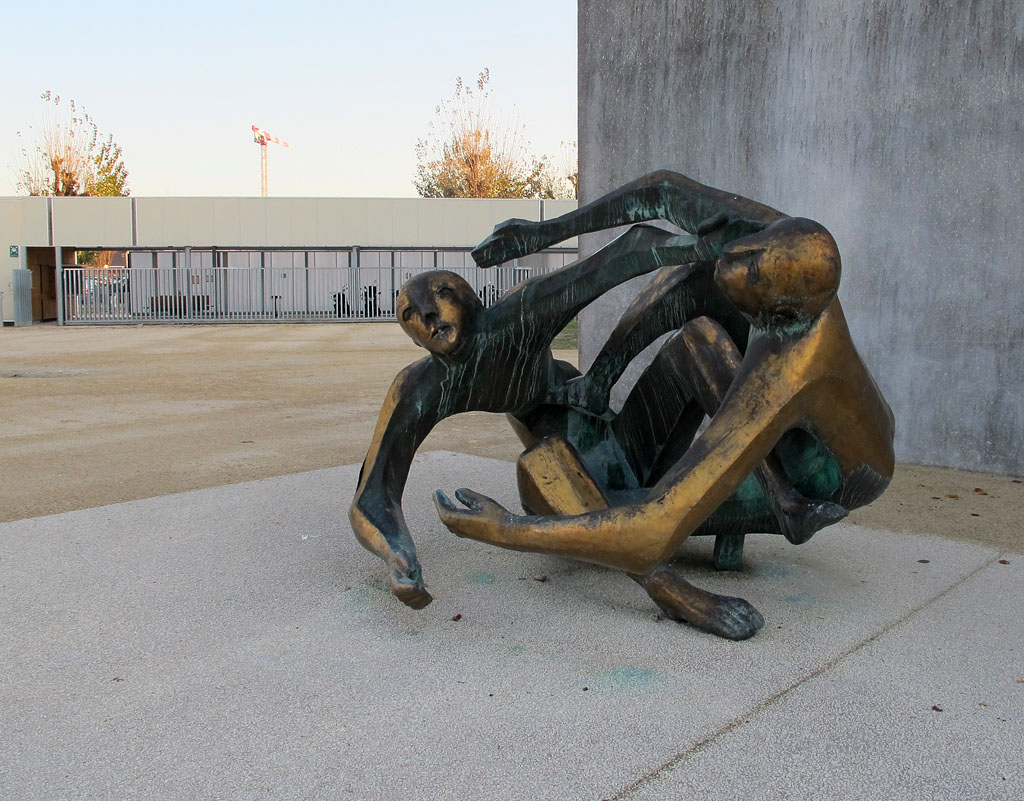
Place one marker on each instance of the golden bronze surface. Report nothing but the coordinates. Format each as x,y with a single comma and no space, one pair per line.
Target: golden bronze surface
797,432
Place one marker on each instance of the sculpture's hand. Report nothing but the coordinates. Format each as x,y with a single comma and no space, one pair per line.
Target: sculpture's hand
407,580
581,394
480,519
510,240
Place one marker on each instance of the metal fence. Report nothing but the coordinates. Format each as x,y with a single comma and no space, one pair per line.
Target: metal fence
273,286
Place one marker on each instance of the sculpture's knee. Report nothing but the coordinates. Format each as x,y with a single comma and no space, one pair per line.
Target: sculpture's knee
665,178
705,337
711,357
703,332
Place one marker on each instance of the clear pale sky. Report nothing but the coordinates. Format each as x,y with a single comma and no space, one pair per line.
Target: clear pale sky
351,85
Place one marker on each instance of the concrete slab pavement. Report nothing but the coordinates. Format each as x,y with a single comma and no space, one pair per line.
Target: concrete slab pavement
236,643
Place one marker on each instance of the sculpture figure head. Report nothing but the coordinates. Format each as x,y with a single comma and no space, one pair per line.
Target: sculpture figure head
438,310
789,272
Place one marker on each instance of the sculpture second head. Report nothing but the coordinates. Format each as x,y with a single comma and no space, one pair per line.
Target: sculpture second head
789,272
438,310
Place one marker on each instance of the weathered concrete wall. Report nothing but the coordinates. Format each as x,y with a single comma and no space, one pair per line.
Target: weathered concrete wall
898,124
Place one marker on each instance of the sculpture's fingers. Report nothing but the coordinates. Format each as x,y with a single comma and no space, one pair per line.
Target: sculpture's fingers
444,504
472,500
711,223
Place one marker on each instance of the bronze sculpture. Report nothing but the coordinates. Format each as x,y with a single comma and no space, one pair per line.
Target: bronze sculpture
798,431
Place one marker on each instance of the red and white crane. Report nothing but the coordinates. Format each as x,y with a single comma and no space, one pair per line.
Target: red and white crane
261,138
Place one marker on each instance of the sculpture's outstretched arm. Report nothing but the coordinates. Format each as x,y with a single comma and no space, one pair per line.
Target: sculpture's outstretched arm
406,417
672,298
662,195
550,301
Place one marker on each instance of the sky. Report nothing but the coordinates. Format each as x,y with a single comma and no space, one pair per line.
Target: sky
351,85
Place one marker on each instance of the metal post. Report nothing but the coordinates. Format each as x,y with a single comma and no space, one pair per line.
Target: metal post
263,279
59,278
22,264
355,297
188,283
305,257
263,168
394,285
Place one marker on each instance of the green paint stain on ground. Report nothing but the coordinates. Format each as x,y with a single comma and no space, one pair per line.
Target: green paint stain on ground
357,599
481,578
625,679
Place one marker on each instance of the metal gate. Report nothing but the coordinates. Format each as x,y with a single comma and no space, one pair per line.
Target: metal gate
216,286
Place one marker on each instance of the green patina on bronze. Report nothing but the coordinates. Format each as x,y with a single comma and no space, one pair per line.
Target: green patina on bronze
745,288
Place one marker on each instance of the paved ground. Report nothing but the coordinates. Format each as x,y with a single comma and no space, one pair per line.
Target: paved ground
91,416
233,642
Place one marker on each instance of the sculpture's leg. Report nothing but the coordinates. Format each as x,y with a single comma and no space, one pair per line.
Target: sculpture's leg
728,553
702,360
674,296
553,480
798,518
732,618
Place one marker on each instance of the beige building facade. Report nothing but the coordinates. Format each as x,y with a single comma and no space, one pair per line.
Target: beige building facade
217,234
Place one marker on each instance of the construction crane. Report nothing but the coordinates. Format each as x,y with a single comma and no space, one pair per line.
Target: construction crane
261,138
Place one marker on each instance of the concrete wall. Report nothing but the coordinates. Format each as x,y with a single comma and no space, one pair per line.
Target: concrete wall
898,124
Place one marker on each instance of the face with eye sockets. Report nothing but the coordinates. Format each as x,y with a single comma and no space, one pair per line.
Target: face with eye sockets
438,311
785,273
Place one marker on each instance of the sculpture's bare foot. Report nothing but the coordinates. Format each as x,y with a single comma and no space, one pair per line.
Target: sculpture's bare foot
800,518
407,581
731,618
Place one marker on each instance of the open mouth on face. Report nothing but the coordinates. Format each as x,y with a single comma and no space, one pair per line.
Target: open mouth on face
441,332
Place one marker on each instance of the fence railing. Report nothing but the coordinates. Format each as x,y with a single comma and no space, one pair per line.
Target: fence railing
298,291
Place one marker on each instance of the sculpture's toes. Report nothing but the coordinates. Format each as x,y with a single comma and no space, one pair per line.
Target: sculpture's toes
802,518
733,618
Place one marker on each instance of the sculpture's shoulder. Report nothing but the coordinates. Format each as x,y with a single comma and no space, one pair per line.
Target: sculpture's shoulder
413,389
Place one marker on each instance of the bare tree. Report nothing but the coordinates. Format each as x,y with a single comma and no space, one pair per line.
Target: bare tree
561,176
471,151
67,156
